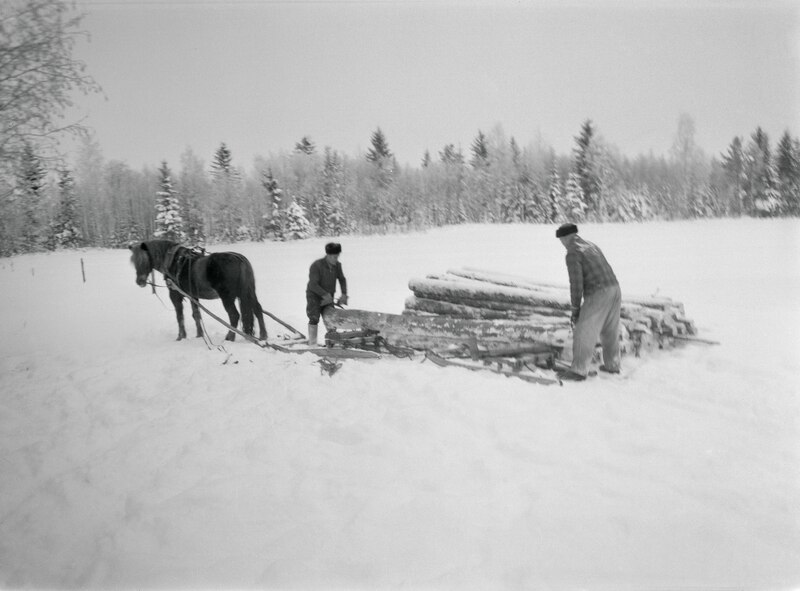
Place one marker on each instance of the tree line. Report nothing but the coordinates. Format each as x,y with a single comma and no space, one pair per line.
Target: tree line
46,203
306,191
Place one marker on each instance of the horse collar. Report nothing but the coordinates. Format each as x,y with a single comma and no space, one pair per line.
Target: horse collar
169,257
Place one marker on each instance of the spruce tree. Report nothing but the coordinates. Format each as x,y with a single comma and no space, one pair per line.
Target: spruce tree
226,191
65,232
584,166
297,225
31,185
788,169
480,151
168,223
274,220
572,205
380,147
332,220
382,158
554,193
193,193
733,163
761,176
305,146
449,155
426,159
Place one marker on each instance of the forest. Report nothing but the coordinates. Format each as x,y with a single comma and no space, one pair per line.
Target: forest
47,202
308,191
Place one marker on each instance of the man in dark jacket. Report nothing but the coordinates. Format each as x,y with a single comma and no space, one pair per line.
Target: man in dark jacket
596,300
322,278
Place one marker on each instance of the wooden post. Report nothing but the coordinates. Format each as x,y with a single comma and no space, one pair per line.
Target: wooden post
153,280
83,271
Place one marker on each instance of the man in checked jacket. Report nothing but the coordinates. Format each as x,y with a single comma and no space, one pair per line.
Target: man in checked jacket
322,277
596,300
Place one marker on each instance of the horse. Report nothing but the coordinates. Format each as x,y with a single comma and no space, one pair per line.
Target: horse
224,275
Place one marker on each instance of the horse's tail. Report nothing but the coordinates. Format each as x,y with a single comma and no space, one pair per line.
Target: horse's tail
248,301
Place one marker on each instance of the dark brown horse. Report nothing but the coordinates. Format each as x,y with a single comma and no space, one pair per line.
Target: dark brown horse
225,275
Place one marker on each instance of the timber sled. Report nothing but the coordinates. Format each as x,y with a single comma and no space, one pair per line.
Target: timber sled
330,350
507,366
511,348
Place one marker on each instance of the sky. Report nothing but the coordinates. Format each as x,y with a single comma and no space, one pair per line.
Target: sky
260,75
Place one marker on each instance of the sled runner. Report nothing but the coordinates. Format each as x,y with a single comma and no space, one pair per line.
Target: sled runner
332,352
509,367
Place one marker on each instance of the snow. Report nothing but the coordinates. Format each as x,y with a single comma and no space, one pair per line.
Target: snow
130,460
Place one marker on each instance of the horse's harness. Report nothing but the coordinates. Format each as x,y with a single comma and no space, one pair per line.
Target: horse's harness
180,256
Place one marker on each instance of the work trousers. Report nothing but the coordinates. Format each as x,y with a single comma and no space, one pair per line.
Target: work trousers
315,309
599,317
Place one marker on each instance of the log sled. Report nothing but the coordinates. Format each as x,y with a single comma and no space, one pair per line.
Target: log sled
508,324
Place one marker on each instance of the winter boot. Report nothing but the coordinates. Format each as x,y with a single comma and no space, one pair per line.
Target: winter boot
312,335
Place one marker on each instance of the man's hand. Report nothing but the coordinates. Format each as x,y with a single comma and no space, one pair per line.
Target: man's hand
327,300
342,301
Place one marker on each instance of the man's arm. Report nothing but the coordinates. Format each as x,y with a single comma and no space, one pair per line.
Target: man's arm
575,270
342,281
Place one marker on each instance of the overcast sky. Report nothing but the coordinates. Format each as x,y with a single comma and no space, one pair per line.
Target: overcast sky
260,75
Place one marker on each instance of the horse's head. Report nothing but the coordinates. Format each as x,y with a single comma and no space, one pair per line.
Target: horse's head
142,262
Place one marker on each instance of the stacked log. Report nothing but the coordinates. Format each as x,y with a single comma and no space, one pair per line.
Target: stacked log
467,293
419,330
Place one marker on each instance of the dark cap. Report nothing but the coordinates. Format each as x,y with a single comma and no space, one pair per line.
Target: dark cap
333,248
566,230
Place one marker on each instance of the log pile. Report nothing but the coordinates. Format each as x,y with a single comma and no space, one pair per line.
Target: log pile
476,295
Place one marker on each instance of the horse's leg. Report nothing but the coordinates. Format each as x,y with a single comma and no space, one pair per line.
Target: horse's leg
259,312
197,318
229,304
246,309
177,302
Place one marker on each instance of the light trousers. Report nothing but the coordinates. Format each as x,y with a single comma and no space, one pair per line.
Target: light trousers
599,317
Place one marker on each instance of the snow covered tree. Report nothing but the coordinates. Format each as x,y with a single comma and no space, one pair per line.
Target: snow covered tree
449,155
332,220
584,167
554,193
382,158
274,220
30,195
761,176
226,196
788,169
480,151
380,147
305,146
516,153
572,205
426,159
194,194
169,223
297,225
733,163
65,231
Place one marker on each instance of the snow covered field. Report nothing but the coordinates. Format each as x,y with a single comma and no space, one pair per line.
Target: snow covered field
129,460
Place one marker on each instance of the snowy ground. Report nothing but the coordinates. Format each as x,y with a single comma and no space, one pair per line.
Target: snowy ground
129,460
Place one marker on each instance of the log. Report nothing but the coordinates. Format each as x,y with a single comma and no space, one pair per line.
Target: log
536,315
434,331
466,291
519,282
458,310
